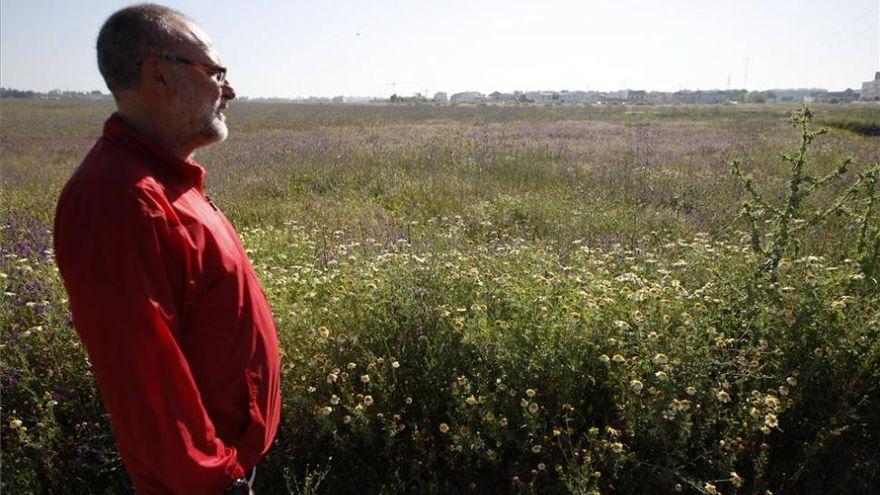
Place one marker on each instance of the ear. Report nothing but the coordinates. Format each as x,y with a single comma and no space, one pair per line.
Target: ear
154,76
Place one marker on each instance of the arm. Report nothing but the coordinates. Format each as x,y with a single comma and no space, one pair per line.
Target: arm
125,279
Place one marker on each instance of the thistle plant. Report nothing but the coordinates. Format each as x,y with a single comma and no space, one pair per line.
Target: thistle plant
774,228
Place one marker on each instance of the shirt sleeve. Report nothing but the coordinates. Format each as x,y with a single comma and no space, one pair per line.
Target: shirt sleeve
125,280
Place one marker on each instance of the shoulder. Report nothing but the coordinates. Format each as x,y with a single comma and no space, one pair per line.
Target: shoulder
113,179
112,196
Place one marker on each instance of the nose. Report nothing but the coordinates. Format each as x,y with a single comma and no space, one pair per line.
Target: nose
228,90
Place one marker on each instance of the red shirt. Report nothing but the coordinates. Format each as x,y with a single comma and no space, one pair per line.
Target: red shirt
179,333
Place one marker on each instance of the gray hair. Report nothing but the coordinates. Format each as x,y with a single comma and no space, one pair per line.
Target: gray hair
132,33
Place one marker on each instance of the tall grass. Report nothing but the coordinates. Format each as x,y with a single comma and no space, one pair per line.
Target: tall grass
495,300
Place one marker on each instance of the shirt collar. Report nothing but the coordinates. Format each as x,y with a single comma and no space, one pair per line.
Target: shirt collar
115,129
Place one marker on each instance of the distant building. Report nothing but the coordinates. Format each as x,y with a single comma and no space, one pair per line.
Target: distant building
578,97
498,96
844,96
440,97
620,95
338,100
466,97
659,97
871,89
542,96
708,97
794,95
636,96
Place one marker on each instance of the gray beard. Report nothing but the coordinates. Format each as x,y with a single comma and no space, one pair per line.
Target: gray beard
204,123
214,129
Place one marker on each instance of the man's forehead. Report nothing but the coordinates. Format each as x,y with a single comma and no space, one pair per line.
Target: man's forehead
198,41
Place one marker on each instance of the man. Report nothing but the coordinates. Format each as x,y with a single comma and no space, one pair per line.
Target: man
178,331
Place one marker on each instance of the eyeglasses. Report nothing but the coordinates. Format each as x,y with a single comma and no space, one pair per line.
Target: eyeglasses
217,72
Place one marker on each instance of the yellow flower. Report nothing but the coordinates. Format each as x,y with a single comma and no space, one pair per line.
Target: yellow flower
324,332
636,385
536,449
604,359
771,421
334,399
661,358
617,447
618,358
368,400
326,410
691,390
502,422
723,396
530,393
15,423
471,400
710,488
444,428
533,408
365,378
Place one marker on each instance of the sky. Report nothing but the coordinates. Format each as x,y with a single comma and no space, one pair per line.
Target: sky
297,48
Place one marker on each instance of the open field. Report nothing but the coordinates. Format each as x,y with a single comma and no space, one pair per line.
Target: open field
486,299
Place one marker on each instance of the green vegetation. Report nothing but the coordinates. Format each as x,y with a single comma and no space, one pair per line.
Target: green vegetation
482,299
863,127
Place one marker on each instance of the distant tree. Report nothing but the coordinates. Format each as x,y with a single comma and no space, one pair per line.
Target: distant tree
16,93
755,97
